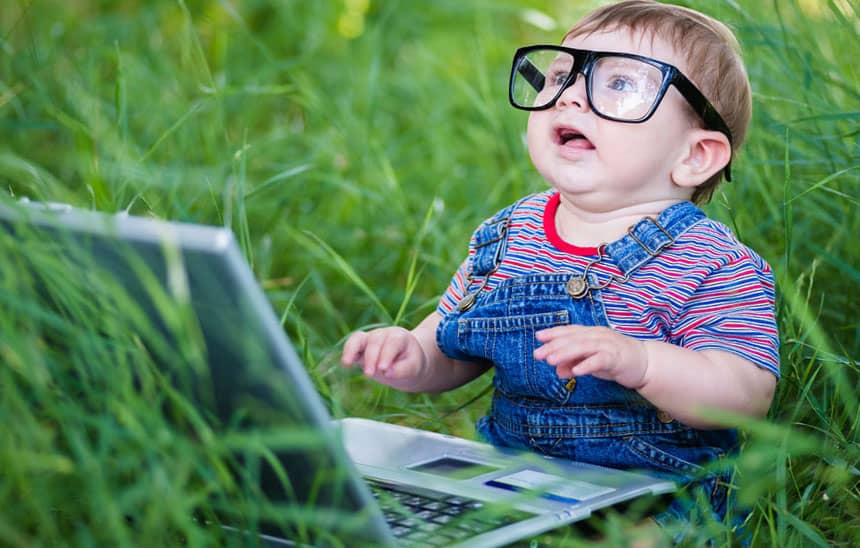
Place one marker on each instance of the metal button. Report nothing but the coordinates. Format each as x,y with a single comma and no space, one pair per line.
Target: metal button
466,302
577,287
664,417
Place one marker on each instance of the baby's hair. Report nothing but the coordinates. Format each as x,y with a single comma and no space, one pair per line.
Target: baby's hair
712,53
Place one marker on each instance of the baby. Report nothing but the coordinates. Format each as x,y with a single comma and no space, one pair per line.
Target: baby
617,317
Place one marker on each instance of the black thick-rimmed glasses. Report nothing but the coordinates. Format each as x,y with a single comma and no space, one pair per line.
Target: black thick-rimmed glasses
622,87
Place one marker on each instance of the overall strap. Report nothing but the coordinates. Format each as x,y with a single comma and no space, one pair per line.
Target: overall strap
489,243
647,238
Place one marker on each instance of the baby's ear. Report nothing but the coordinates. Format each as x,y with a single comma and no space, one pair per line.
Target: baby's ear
706,154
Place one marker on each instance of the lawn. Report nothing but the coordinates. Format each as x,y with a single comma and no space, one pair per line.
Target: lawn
352,146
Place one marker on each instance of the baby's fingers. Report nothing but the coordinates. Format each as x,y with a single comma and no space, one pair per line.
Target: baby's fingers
546,335
554,346
589,365
390,351
566,352
384,354
353,349
372,351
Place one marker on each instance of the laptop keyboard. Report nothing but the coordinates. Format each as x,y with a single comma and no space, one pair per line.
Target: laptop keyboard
421,517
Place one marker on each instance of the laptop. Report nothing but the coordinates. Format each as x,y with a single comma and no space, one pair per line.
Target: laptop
197,311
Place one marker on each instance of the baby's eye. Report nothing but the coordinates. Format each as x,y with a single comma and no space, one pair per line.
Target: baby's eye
557,77
621,83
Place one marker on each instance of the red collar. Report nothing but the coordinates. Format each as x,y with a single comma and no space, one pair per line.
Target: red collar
552,234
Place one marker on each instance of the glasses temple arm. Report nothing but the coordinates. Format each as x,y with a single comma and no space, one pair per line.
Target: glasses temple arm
531,73
706,110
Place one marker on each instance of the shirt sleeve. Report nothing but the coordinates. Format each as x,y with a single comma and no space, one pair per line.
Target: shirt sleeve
456,289
459,285
733,310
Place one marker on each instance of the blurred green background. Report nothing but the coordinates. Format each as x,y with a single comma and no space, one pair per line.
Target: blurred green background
353,145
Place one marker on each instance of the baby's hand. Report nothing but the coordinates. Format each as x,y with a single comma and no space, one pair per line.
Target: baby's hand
390,355
576,350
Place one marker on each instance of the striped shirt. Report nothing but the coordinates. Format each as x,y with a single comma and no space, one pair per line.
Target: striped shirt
705,291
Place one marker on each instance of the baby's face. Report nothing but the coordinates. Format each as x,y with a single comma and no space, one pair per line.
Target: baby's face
605,165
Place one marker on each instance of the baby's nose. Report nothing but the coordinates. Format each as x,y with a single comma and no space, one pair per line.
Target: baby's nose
574,95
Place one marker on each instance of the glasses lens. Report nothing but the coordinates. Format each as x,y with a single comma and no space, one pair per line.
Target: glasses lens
538,75
624,88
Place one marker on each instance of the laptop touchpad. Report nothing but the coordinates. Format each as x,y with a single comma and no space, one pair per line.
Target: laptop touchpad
453,468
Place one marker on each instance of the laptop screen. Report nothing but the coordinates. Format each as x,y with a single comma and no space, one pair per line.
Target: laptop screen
172,313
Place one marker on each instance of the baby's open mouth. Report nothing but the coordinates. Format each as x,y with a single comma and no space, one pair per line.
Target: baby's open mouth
570,137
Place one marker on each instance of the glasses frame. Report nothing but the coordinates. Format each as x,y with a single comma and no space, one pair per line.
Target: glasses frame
583,62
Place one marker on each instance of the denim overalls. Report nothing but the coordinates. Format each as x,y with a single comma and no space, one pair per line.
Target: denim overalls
585,419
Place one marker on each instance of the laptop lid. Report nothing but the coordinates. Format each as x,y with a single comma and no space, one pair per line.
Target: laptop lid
197,313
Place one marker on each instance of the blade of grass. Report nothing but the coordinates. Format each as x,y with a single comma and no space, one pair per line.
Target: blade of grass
826,180
313,243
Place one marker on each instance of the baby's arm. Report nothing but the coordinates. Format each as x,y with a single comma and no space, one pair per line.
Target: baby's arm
408,360
685,383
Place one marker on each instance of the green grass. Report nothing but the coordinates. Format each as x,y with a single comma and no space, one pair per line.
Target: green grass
353,152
